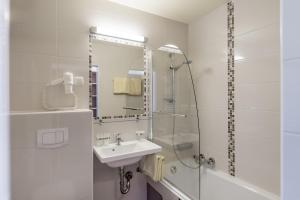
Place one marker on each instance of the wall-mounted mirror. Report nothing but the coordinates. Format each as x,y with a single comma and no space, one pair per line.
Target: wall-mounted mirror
118,78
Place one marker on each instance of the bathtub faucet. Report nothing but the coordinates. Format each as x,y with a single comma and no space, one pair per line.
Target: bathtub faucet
201,160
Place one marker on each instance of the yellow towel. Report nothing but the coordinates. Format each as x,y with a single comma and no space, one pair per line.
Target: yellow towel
135,86
153,166
121,85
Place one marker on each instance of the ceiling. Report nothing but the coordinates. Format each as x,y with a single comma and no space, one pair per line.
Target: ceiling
178,10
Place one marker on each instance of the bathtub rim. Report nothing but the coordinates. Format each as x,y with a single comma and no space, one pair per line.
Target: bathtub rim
233,180
236,180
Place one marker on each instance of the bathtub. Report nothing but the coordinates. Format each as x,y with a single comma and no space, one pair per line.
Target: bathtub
215,185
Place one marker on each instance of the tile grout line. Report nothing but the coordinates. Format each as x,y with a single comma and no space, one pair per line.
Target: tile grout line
294,133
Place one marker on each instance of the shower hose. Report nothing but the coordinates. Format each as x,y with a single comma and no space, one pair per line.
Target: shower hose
197,115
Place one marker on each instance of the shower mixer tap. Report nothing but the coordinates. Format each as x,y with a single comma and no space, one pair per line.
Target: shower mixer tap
201,160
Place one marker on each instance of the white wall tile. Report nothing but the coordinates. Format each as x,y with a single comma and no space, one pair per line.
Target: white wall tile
73,172
291,96
257,93
291,29
25,96
255,14
73,44
213,135
5,167
268,67
73,15
127,129
250,162
208,51
32,173
33,26
257,87
291,166
33,68
60,29
263,124
265,96
258,43
212,93
258,141
207,45
63,173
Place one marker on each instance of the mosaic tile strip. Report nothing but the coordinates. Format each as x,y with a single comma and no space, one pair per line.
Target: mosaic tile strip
147,80
92,92
230,72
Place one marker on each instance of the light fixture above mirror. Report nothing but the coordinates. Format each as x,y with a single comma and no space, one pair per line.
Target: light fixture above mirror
111,35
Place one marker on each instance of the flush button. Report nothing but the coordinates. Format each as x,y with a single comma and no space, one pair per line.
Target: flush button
48,138
52,138
59,137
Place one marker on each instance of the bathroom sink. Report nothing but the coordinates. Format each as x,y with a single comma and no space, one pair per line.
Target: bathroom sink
126,153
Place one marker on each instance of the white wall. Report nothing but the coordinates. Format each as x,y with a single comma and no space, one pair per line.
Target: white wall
4,98
49,37
63,173
257,88
258,93
207,50
291,98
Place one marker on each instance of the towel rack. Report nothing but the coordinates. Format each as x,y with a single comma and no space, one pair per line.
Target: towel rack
132,108
172,114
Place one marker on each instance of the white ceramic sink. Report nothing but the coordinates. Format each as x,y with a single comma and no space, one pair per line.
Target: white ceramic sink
126,153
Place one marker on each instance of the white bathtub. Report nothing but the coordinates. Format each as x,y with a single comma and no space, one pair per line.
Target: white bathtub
215,185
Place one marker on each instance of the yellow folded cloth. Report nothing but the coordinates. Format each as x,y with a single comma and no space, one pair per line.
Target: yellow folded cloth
153,166
121,85
135,86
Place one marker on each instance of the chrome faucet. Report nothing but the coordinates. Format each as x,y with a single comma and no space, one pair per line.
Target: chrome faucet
118,139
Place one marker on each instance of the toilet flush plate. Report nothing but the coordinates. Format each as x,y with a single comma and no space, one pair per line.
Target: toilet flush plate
52,138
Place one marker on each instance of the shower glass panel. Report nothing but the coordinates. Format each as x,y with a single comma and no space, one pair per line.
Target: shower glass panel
174,121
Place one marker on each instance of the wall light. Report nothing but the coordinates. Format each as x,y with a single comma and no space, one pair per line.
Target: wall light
170,48
119,35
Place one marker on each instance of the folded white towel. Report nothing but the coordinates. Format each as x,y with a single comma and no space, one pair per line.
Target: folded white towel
121,85
153,166
135,86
